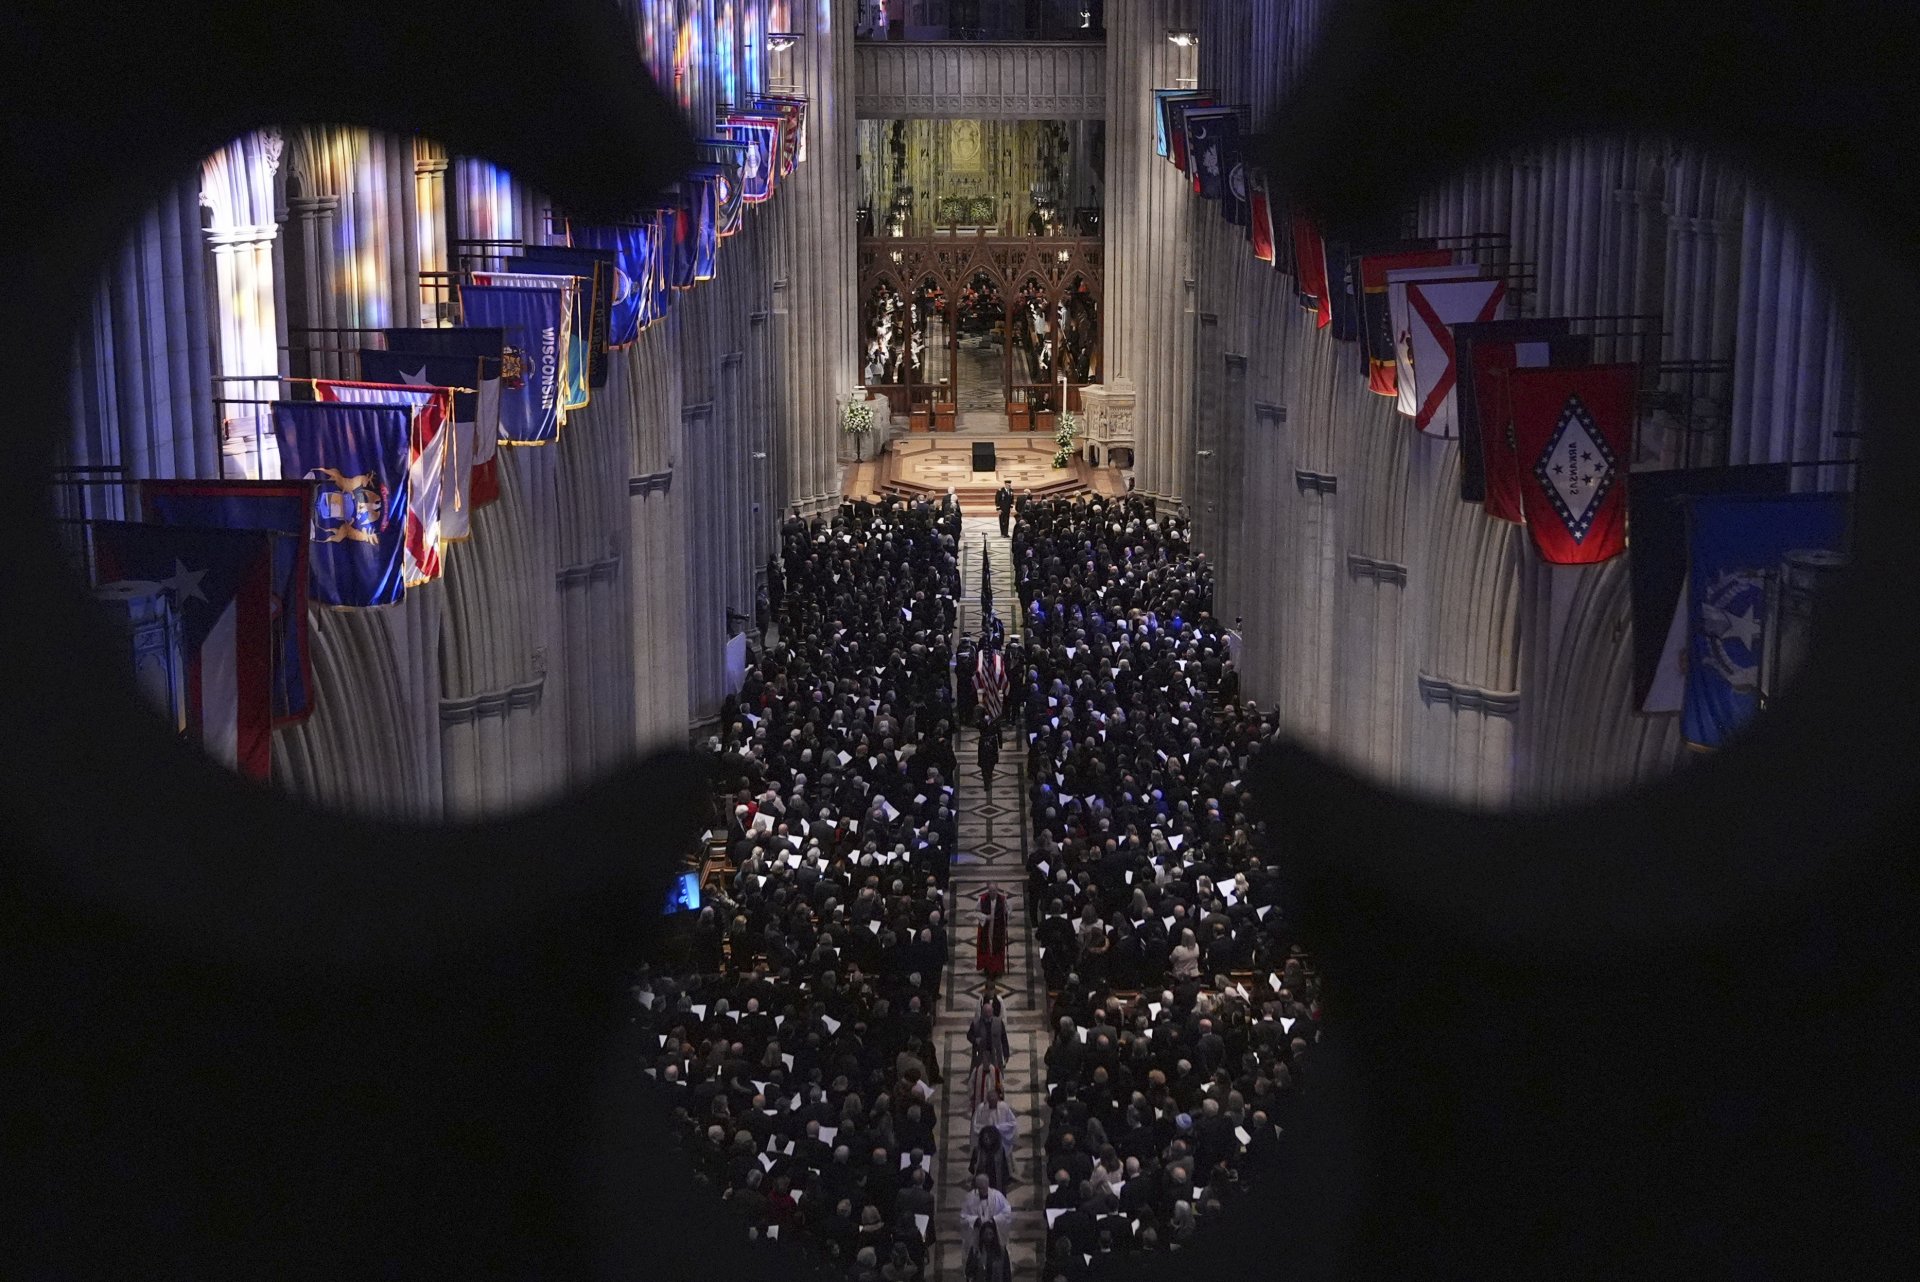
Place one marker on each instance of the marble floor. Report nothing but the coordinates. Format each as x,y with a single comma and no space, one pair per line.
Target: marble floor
992,851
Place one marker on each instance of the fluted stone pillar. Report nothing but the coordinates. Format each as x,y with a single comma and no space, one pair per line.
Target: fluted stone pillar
1149,234
813,262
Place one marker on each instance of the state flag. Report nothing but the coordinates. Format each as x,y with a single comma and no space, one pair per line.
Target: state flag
730,158
705,180
220,583
1573,429
481,347
1161,133
1208,129
1432,308
456,374
1735,546
762,139
1399,329
430,466
275,507
1657,516
594,267
1376,311
531,355
631,247
575,356
1177,109
1343,287
1495,463
1311,271
1236,196
792,113
1260,218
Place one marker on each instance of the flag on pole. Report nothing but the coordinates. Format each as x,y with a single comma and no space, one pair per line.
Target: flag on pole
705,180
762,139
990,682
1657,517
1573,429
1311,270
1208,129
1432,308
1177,109
1398,330
1736,544
575,356
1260,218
1161,133
1236,196
530,371
1507,343
594,267
1376,319
1343,287
430,465
480,348
221,585
276,507
631,249
454,374
730,158
357,457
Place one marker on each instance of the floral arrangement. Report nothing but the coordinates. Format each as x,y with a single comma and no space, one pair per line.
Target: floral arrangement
1063,434
858,418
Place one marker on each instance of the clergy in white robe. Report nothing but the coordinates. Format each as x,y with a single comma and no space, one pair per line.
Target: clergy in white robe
997,1113
984,1203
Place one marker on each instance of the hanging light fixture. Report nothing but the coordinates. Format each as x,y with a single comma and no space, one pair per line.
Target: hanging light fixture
1186,39
781,41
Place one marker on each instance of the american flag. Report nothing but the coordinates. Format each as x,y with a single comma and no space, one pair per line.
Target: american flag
990,682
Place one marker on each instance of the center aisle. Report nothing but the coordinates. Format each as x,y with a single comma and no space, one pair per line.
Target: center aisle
992,851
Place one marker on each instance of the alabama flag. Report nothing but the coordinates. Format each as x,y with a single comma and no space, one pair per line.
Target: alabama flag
1433,306
428,464
219,583
1573,437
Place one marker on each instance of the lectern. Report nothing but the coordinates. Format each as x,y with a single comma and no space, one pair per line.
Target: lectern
983,456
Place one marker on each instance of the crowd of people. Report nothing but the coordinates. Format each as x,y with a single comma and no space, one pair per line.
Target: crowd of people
1185,1016
796,1045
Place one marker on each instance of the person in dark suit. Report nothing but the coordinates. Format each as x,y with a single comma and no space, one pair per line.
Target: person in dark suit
1003,501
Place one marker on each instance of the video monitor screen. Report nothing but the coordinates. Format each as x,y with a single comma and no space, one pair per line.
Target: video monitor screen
684,894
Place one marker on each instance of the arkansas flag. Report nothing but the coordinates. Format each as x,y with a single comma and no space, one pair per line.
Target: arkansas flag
1573,432
1433,306
1376,313
220,583
428,464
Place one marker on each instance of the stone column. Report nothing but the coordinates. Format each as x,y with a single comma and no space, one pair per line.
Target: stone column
1149,228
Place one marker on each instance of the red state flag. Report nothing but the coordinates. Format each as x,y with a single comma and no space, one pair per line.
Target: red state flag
1310,254
1261,230
1573,437
1376,313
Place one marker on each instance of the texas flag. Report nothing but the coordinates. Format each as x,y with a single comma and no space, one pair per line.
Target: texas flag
220,583
1573,432
428,463
1433,306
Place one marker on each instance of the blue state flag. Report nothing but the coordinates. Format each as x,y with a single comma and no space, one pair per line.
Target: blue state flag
684,238
356,456
530,320
276,507
595,269
1736,544
631,249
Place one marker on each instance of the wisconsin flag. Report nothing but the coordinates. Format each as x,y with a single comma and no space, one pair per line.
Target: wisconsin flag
1433,307
594,267
480,350
1736,544
529,321
575,356
1376,318
278,508
221,585
1573,430
429,465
